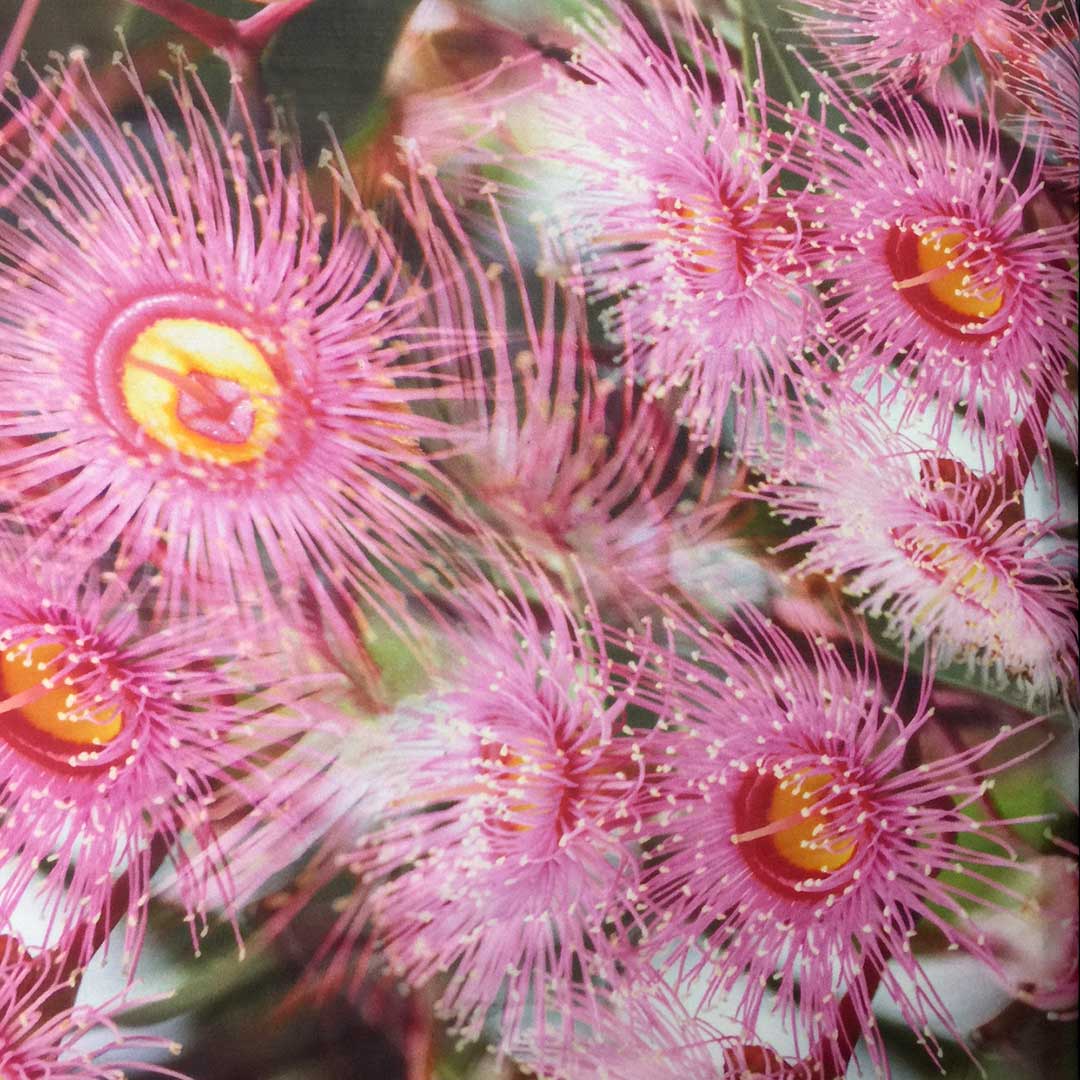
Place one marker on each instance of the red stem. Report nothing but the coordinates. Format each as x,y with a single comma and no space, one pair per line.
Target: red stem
1029,444
214,31
18,35
249,36
90,937
240,42
254,32
418,1039
835,1056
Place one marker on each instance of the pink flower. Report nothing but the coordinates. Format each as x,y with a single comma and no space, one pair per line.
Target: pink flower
41,1028
793,832
581,471
186,373
673,193
502,866
927,261
943,554
450,89
119,746
907,40
1046,78
1037,944
655,1036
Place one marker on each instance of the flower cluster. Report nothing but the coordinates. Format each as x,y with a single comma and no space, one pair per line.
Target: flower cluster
347,501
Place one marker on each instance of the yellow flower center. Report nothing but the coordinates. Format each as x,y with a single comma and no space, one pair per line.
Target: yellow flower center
56,710
967,577
951,281
806,843
202,389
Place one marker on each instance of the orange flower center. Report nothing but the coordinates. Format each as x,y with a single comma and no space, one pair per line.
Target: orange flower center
202,389
795,832
56,709
508,773
695,228
950,282
805,843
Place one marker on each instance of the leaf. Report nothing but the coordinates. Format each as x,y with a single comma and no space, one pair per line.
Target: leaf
774,30
203,984
329,62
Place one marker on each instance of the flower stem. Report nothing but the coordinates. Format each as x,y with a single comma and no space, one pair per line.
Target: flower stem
17,35
90,937
214,31
250,35
835,1055
1029,443
241,43
254,33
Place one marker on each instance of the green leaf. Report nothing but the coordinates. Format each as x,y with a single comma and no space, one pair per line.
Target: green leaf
957,673
203,984
770,25
329,62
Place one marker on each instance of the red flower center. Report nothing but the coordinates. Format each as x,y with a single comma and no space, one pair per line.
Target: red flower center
952,283
789,830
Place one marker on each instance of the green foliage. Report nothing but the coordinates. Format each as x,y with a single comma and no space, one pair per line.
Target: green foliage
203,984
329,62
769,33
325,66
